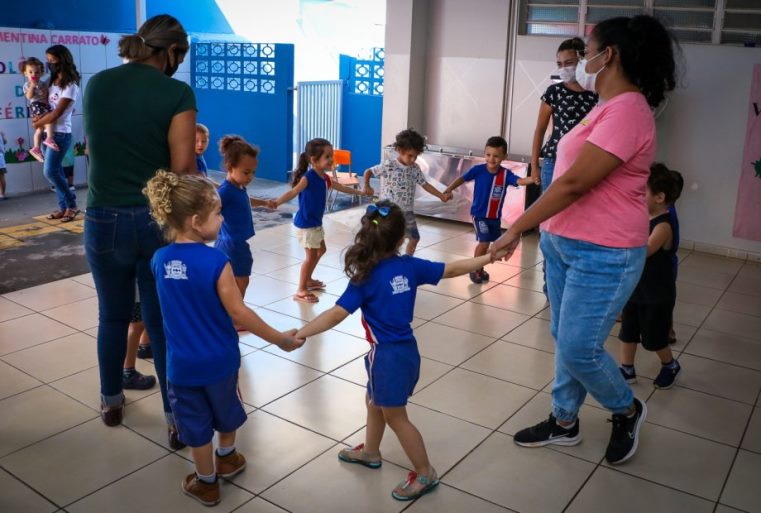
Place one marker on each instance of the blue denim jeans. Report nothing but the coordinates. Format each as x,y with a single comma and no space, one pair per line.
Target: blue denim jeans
53,170
548,168
119,243
588,286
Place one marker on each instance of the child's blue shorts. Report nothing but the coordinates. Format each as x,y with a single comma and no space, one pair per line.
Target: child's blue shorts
393,370
239,253
487,230
199,411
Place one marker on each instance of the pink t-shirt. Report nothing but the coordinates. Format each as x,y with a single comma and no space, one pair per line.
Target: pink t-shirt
613,213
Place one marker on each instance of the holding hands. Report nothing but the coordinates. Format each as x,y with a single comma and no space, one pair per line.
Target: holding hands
290,341
504,247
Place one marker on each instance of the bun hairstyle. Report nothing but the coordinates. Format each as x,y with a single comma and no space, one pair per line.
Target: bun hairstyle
233,148
666,181
174,198
410,139
315,149
576,44
378,238
155,35
646,50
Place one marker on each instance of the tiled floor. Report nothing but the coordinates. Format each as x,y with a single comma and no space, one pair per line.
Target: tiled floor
487,367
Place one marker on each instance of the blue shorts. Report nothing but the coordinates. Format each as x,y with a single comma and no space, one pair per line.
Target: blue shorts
239,253
487,230
393,370
199,411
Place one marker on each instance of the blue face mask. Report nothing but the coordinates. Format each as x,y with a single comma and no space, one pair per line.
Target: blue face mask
587,80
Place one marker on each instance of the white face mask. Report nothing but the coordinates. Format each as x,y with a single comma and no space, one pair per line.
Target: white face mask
567,74
587,80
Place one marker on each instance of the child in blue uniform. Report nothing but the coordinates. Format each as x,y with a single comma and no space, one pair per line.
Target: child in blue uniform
202,142
384,285
199,301
311,184
489,190
647,316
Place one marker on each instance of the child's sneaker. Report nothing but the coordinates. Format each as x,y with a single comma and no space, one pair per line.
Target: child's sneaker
484,276
358,455
229,466
205,493
144,351
475,277
415,486
50,143
629,374
667,376
37,154
548,432
625,434
135,380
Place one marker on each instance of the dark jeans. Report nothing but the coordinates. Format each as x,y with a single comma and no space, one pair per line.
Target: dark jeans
53,169
119,243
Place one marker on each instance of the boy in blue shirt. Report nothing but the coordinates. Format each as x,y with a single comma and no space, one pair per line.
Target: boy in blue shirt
491,181
202,142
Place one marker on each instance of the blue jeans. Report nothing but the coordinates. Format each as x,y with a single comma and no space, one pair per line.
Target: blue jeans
119,243
53,170
588,286
548,168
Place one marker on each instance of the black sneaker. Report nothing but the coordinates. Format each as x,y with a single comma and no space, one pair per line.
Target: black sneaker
548,432
625,434
667,376
144,351
475,277
137,381
630,376
484,276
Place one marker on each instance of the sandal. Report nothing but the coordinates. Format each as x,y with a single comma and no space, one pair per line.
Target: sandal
415,486
58,214
306,298
358,455
69,216
316,285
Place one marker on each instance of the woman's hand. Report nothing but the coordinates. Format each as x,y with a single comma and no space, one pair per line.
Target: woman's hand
36,122
504,247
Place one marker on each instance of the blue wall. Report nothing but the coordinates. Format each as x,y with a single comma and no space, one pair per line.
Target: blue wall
361,120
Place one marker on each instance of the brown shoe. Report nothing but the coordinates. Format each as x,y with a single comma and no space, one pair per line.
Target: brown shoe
174,438
112,415
205,493
231,465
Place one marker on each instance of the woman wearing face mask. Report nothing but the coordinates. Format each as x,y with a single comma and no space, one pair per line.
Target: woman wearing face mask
595,227
566,104
137,119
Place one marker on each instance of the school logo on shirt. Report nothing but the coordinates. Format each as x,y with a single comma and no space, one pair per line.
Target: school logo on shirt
400,284
175,270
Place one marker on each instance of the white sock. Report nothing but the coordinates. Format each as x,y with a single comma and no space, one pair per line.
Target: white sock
210,479
224,451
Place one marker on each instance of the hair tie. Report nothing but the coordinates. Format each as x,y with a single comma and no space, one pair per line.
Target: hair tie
375,221
141,38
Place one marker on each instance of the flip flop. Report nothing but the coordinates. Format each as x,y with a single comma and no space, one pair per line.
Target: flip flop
306,298
58,214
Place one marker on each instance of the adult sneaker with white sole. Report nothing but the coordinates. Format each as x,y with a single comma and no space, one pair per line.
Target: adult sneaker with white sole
625,434
548,432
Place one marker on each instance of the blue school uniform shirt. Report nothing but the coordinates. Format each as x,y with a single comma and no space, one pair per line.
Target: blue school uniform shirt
489,190
201,165
238,224
387,297
201,341
312,201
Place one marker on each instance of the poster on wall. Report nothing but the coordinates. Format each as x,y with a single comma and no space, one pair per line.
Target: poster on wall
748,207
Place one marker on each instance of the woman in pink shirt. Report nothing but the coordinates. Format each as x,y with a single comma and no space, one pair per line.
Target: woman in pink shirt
595,227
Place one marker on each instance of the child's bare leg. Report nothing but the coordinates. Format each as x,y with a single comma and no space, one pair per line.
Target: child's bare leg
307,266
628,352
313,282
376,425
203,457
411,246
481,249
665,355
410,439
134,333
49,132
226,439
37,138
144,339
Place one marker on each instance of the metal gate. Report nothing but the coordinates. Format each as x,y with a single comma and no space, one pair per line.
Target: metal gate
320,107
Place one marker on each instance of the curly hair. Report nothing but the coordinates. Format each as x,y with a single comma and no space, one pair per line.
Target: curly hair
174,198
378,238
233,148
410,139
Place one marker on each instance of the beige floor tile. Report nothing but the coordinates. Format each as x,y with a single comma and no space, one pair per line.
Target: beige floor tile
747,282
57,359
13,381
460,287
752,438
738,324
518,364
11,310
265,377
439,255
84,279
331,406
303,311
30,416
545,314
447,439
102,455
741,490
146,417
726,347
462,246
156,488
28,331
533,333
273,449
687,410
608,490
450,500
684,335
720,508
326,351
19,498
721,379
80,315
514,299
263,290
697,294
526,258
469,396
529,279
646,362
291,274
449,345
678,460
265,261
502,273
502,472
259,505
713,279
690,314
50,295
483,319
741,303
429,305
85,386
278,321
334,258
342,488
706,263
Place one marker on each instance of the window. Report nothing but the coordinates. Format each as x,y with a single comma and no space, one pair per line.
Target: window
735,22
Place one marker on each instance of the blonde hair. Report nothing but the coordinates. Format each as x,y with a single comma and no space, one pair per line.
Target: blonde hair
174,198
233,148
155,35
200,127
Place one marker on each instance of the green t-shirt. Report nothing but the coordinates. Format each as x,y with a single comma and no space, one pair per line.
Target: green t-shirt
127,113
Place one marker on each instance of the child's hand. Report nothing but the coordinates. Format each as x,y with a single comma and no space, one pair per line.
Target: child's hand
448,196
536,179
369,191
272,204
290,342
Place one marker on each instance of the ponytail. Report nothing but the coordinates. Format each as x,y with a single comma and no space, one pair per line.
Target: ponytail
378,238
315,149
